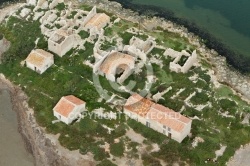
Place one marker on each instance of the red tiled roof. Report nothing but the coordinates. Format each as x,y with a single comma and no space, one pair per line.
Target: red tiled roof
116,58
67,104
171,113
138,105
167,117
163,115
38,57
98,20
74,100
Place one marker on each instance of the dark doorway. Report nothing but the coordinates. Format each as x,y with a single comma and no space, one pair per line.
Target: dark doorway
170,135
119,72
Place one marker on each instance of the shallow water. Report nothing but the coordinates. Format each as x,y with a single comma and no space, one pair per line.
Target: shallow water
12,149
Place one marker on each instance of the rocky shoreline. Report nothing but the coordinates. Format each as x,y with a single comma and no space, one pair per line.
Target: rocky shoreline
235,58
46,148
224,73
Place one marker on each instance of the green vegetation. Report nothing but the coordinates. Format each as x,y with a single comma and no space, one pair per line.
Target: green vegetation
183,60
72,15
107,45
150,161
117,149
60,6
146,132
84,34
70,76
86,7
126,37
200,98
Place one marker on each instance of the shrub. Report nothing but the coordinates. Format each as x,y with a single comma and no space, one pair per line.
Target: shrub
150,161
99,153
227,104
200,98
60,6
126,37
117,149
119,131
84,34
87,125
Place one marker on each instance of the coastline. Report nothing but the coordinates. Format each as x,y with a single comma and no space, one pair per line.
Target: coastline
225,74
45,148
38,142
238,61
11,140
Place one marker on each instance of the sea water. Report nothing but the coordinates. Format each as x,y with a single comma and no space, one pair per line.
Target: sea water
227,20
12,149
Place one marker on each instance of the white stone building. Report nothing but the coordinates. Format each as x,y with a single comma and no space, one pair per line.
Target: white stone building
144,46
69,108
159,118
39,60
139,48
115,66
175,66
94,19
62,41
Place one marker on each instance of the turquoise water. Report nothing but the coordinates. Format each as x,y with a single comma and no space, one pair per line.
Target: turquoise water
227,20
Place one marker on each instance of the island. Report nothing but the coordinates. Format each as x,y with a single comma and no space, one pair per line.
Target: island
91,87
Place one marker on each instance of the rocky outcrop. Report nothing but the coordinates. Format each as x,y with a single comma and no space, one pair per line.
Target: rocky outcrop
231,77
4,45
44,147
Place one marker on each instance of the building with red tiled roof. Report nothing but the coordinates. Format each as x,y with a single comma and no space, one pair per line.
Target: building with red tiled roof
158,117
39,60
116,66
69,108
95,20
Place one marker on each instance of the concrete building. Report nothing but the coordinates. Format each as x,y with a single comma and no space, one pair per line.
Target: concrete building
115,66
62,41
159,118
175,65
68,109
39,60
